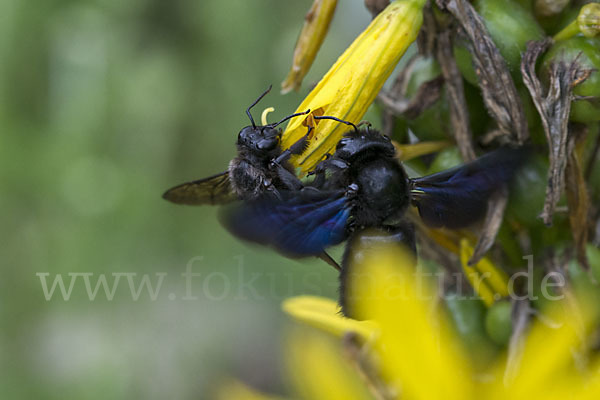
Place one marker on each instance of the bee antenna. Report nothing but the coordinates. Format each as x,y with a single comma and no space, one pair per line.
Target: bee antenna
338,120
255,102
289,117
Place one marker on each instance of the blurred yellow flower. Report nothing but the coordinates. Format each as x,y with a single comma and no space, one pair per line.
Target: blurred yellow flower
325,314
420,357
352,83
318,369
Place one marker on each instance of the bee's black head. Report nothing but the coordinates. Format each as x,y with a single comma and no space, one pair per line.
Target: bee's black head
363,142
259,139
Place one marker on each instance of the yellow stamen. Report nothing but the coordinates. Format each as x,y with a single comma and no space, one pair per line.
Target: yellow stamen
263,117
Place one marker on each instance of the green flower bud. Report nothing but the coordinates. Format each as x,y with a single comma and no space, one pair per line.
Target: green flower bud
589,19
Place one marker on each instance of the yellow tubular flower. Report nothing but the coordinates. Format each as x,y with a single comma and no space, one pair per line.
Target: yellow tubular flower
488,281
316,25
417,354
318,369
352,83
547,367
325,314
417,349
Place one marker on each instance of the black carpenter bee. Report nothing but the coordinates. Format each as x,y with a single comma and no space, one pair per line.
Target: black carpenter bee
361,193
260,166
259,170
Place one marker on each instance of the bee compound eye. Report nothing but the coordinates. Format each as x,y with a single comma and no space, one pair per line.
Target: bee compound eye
268,143
246,134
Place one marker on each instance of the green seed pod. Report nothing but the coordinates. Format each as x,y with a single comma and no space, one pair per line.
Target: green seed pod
432,124
528,193
468,316
587,53
589,19
498,322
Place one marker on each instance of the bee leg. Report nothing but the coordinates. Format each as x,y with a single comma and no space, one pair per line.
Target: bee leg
288,179
310,190
329,260
295,149
329,162
301,144
337,163
270,188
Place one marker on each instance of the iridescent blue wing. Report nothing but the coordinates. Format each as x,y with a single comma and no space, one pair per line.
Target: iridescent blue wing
297,225
458,197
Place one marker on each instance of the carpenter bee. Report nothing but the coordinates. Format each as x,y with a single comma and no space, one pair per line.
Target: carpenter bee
260,166
259,170
362,192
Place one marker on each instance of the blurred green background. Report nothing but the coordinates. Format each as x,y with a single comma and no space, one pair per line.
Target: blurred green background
104,105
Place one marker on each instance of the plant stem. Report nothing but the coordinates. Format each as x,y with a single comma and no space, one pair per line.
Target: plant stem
568,31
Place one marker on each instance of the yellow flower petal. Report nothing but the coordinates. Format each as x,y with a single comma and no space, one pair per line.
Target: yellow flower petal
316,25
547,365
548,350
352,83
318,370
325,314
416,345
479,285
488,281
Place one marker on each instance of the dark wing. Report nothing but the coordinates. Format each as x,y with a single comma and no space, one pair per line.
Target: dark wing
297,225
458,197
213,190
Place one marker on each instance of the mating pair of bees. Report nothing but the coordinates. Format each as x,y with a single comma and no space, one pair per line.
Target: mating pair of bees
360,193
